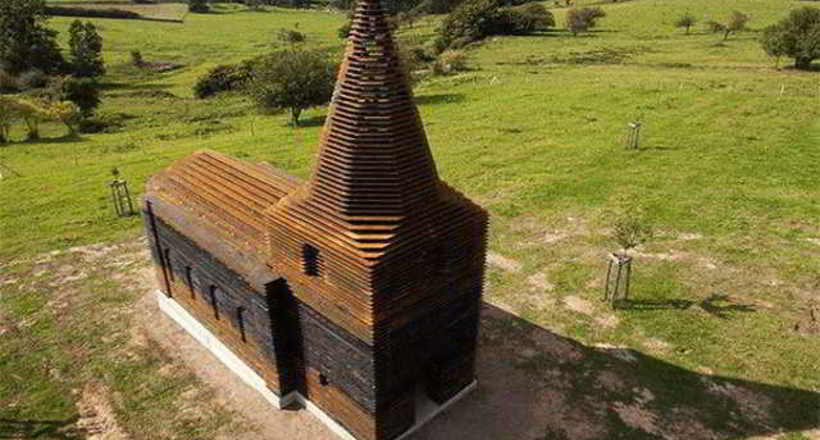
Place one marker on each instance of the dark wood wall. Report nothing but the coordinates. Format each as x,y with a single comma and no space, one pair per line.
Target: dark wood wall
368,389
245,319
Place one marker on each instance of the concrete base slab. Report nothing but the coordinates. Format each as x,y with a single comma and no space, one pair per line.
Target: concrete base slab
426,409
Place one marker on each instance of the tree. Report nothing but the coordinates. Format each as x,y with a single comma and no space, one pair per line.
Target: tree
85,49
293,79
477,19
736,23
584,19
84,92
630,228
686,21
470,21
25,42
797,36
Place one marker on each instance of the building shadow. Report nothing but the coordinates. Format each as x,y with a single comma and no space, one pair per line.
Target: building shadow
535,384
41,429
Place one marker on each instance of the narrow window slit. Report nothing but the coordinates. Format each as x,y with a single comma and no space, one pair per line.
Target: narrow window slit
189,279
310,260
213,302
240,320
168,264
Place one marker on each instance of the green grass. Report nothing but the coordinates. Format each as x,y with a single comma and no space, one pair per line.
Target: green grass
534,132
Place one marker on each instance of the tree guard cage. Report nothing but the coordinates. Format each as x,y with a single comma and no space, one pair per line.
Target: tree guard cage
618,275
121,198
633,136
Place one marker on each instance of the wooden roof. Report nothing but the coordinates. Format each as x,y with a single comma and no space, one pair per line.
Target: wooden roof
229,194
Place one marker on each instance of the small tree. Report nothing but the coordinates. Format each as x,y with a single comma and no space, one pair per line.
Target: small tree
736,23
25,42
8,116
292,79
686,21
797,36
83,92
630,230
86,50
584,19
290,36
198,6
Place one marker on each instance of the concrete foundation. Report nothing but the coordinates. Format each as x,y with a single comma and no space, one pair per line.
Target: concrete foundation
426,409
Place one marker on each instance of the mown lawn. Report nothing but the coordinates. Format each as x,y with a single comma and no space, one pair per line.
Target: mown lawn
534,131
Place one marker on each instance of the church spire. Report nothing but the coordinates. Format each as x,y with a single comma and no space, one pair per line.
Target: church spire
374,160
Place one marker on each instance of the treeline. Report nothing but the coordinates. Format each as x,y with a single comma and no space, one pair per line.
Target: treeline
38,79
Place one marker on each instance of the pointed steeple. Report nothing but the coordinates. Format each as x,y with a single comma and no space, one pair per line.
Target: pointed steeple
374,160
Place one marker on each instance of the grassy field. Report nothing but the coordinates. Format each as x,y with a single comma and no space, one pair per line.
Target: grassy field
534,131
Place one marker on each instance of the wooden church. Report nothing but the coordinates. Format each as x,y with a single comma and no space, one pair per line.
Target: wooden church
356,291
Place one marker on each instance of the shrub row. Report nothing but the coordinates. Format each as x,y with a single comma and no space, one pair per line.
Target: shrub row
223,78
477,19
88,12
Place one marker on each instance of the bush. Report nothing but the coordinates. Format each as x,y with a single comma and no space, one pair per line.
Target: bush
198,6
25,41
411,60
525,19
449,62
8,83
222,78
797,36
136,58
84,92
686,21
86,49
472,20
736,23
290,36
584,19
293,79
344,30
32,79
477,19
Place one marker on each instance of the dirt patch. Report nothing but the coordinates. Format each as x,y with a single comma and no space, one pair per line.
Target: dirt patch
611,381
504,263
608,320
662,256
809,321
540,282
637,417
97,419
657,345
579,305
753,406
